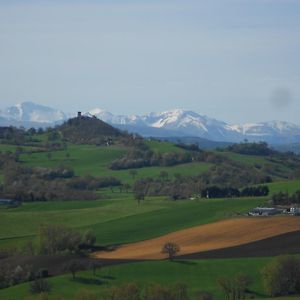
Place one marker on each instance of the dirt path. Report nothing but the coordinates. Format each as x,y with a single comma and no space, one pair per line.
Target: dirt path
222,234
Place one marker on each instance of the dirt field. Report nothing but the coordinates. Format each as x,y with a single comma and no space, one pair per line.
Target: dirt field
219,235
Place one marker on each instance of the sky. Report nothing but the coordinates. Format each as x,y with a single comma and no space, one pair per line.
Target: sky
233,60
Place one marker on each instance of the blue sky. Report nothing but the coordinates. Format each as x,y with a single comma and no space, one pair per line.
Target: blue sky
235,60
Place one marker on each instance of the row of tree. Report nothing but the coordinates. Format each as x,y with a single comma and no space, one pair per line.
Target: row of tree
284,198
228,192
186,187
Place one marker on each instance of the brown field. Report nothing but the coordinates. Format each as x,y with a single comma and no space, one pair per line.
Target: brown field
222,234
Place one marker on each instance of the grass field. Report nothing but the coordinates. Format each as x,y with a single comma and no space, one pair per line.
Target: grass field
94,160
119,220
290,186
197,274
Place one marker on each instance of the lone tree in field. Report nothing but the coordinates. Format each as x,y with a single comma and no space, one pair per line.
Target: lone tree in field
133,173
171,249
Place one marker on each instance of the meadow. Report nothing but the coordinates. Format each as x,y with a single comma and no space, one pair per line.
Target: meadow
196,274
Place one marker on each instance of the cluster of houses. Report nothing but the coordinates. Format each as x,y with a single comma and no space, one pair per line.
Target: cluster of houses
271,211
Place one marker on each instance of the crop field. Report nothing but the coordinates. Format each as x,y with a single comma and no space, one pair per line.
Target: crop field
197,274
218,235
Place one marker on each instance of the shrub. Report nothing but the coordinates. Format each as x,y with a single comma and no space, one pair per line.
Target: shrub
282,276
40,285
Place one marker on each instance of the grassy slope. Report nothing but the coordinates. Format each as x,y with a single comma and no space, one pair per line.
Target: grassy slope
119,221
93,160
197,274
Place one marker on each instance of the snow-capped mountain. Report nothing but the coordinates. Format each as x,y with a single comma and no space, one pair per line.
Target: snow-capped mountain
172,123
32,112
188,123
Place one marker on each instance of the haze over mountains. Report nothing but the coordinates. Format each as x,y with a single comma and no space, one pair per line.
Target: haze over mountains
172,123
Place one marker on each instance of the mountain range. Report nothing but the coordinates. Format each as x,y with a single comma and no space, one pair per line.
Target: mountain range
173,123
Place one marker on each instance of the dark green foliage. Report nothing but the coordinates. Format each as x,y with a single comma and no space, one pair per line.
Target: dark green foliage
89,182
260,148
282,276
40,184
235,288
12,135
233,174
86,130
229,192
138,159
284,198
40,285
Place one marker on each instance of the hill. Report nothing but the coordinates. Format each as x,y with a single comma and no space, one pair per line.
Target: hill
86,130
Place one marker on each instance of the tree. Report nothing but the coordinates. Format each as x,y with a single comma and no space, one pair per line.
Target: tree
235,288
282,276
133,173
171,249
49,155
126,187
40,285
68,155
53,239
173,292
139,195
74,266
95,266
127,291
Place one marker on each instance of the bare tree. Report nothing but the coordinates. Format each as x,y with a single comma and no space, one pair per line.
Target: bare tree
171,249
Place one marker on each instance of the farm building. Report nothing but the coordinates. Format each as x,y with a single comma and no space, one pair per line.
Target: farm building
8,202
263,211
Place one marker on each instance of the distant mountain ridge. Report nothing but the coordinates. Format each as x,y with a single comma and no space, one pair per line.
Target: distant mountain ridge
172,123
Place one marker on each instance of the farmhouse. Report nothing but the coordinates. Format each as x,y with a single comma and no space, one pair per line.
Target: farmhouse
263,211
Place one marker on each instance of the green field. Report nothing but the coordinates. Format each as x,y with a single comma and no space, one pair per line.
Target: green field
197,274
94,160
119,220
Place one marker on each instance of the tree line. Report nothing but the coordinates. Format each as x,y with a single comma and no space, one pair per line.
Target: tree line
284,198
42,184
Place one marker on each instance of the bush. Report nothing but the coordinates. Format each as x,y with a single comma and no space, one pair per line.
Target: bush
40,285
204,296
127,291
85,295
282,276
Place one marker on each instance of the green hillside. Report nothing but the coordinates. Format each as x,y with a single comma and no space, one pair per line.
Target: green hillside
118,216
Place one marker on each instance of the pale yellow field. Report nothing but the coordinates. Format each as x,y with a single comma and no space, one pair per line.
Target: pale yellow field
217,235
